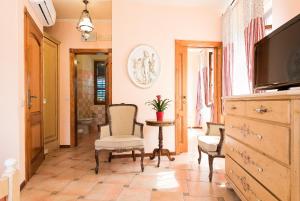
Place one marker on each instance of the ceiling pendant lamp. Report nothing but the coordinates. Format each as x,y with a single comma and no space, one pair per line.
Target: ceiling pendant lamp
85,25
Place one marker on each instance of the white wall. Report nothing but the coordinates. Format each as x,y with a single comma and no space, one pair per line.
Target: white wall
157,24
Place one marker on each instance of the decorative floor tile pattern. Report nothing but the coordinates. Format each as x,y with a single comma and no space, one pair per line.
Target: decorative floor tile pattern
68,175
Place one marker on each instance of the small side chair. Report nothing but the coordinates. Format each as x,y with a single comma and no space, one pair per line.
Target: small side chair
122,133
212,144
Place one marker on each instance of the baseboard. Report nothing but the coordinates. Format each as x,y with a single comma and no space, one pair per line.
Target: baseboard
64,146
137,155
22,185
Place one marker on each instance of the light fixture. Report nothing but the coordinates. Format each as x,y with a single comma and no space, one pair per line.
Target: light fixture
85,25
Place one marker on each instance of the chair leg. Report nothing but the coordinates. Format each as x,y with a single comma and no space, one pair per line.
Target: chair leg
210,161
133,155
97,161
199,150
142,159
110,157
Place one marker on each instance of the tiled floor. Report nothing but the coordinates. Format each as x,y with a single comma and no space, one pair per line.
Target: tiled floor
68,175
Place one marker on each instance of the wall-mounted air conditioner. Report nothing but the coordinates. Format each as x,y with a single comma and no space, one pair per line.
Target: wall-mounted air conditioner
45,11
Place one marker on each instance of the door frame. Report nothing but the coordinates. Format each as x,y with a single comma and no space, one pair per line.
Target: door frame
27,17
181,138
73,88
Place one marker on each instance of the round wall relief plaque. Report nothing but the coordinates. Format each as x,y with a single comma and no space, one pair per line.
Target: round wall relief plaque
143,66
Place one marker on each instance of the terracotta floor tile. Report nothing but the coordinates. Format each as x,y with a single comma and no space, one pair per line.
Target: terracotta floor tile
144,181
104,192
36,180
78,187
61,197
119,178
91,176
166,196
52,184
72,174
34,195
201,189
190,198
172,185
68,175
50,170
131,194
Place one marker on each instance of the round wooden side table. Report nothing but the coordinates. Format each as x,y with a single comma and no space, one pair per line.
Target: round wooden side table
160,151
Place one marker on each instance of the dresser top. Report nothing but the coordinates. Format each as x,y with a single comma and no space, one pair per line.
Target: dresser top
288,94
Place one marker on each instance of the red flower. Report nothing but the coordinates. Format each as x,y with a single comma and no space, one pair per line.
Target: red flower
158,97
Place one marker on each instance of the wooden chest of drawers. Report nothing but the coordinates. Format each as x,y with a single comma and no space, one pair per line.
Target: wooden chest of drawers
262,146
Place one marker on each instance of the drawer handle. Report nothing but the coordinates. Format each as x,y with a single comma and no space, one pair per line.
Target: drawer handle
261,110
259,137
233,107
260,169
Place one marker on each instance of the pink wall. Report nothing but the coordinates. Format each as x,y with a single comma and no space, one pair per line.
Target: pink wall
65,31
12,121
157,24
283,11
9,101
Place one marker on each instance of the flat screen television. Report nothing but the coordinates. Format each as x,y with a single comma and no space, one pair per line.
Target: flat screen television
277,58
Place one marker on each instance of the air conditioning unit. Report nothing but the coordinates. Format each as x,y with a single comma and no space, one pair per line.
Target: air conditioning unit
45,11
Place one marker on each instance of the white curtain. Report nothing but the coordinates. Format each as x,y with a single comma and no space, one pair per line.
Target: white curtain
236,69
203,111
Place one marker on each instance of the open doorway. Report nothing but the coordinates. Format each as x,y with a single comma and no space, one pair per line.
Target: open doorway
200,92
198,87
90,92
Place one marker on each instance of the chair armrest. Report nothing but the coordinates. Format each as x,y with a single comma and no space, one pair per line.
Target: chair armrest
104,130
222,137
138,130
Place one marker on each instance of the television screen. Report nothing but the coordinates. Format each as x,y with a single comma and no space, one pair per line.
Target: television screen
277,58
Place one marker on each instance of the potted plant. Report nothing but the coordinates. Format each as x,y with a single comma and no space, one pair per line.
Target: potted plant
159,106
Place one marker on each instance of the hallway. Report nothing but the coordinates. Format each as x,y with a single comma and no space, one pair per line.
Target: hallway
68,175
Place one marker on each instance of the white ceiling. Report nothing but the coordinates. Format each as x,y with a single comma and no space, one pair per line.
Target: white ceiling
71,9
102,9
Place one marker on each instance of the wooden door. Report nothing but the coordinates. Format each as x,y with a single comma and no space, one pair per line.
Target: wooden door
181,99
33,88
50,99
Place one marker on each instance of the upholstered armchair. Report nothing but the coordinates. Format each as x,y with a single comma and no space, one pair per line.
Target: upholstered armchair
122,133
212,144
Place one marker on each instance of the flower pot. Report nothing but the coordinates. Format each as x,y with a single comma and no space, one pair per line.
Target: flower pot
159,116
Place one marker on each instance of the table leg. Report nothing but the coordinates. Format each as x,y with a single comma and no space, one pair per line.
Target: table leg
167,153
154,153
160,151
160,144
158,155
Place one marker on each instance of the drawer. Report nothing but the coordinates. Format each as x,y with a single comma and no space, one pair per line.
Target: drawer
272,140
271,174
235,107
247,185
278,111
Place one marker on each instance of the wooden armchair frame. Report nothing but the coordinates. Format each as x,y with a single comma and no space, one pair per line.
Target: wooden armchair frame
121,150
218,152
